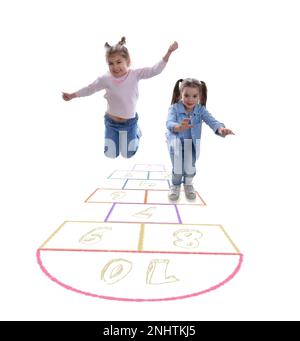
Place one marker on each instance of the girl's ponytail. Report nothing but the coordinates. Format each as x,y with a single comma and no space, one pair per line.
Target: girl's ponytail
176,92
203,93
122,41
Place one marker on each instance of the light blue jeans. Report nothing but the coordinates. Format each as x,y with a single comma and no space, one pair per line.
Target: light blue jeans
183,158
121,137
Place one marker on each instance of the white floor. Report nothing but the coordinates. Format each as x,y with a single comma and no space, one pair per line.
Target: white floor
52,160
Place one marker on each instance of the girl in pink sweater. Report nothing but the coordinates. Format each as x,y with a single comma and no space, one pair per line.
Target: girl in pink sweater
121,85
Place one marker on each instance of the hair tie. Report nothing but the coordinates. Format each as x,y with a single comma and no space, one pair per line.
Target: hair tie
122,41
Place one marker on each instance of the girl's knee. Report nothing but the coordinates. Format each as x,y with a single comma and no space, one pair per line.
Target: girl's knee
110,153
176,179
130,154
130,150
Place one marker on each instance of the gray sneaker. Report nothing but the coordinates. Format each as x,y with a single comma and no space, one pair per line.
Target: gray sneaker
190,192
174,192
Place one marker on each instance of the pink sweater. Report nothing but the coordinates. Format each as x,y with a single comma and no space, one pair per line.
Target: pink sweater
122,93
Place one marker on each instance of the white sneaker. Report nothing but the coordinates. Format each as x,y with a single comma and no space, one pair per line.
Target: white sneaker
190,192
174,193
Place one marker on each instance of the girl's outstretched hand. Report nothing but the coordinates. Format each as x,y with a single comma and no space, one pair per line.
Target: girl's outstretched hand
184,125
225,131
68,97
173,47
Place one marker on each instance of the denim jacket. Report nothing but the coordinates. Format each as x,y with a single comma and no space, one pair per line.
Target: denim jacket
197,115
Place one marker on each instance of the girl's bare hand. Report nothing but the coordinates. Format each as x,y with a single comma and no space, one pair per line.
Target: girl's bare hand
67,97
173,47
225,131
184,125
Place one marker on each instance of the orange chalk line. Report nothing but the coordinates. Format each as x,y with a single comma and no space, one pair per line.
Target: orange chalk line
146,196
87,199
145,200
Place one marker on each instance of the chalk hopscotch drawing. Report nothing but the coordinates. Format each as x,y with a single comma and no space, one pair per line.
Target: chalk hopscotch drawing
118,195
187,238
94,236
115,270
139,246
145,214
157,272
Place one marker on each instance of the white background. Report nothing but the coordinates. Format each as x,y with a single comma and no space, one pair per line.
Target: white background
51,150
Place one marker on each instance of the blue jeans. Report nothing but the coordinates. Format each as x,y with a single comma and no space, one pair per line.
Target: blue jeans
183,158
121,137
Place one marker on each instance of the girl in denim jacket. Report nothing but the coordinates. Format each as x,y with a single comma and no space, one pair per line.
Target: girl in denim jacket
184,125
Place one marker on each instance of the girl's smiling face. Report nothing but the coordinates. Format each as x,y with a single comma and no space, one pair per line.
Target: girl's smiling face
118,65
190,97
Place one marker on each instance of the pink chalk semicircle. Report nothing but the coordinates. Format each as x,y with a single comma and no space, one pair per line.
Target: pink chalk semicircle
188,295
